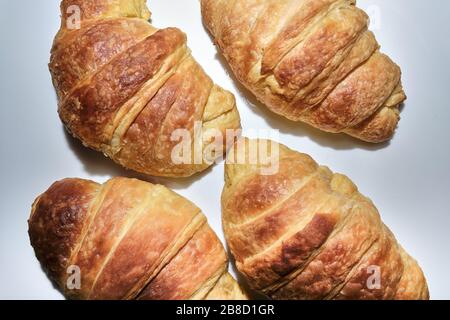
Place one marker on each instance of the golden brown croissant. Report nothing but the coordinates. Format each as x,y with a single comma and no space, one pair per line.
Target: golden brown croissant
307,233
310,60
125,87
128,239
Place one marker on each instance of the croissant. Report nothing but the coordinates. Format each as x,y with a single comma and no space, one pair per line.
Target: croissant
128,239
124,88
307,233
312,61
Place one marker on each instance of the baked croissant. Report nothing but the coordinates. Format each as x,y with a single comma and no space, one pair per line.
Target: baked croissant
124,87
128,239
310,60
307,233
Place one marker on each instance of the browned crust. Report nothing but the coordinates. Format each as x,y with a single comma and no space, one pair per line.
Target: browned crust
200,260
273,265
179,103
359,96
90,109
331,266
110,78
87,50
290,35
305,61
138,255
57,219
318,239
310,61
125,236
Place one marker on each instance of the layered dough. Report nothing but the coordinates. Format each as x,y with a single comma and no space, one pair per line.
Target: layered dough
124,87
307,233
130,240
312,61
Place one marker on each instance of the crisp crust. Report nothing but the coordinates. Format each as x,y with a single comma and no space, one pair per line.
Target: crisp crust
57,220
87,50
130,239
312,61
90,109
358,97
122,201
138,257
201,259
124,87
178,104
307,233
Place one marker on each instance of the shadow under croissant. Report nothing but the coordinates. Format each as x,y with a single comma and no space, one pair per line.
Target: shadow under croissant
52,282
95,163
335,141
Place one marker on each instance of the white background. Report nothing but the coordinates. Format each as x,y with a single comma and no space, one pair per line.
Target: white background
408,179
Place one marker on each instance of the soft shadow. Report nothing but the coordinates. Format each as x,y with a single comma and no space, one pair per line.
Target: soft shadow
330,140
95,163
52,281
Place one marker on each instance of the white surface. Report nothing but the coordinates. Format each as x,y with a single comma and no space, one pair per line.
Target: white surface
409,179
